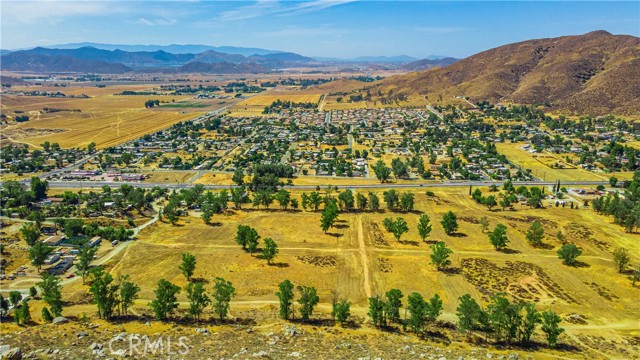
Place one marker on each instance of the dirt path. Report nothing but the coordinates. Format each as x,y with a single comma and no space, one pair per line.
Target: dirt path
363,255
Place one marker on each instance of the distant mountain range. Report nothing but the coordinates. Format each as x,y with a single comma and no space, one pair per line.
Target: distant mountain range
173,49
90,59
108,58
596,73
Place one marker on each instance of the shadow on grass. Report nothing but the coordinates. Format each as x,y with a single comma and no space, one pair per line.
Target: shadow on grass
459,235
580,264
202,280
410,242
279,264
341,226
509,251
451,271
336,235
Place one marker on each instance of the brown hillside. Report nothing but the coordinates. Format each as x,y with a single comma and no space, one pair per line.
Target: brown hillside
596,73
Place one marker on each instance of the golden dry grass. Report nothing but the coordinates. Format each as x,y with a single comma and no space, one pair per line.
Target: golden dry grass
358,258
168,177
105,119
527,161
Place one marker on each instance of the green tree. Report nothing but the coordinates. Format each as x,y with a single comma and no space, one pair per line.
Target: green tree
416,305
346,200
105,293
440,255
315,199
498,316
188,266
424,226
198,299
73,227
270,250
391,198
449,223
285,296
468,313
381,171
550,327
341,310
505,318
263,197
85,256
241,235
498,237
38,253
621,259
535,234
46,315
433,308
361,201
252,240
490,202
39,188
396,227
166,301
207,213
171,212
393,304
128,294
406,201
238,177
50,292
530,321
22,313
91,147
377,308
374,202
30,233
308,300
283,197
15,297
329,216
568,253
239,196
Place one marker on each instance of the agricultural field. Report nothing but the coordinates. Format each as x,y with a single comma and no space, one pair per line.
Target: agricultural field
103,118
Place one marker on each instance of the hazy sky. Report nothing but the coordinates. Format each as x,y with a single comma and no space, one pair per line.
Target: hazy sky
335,28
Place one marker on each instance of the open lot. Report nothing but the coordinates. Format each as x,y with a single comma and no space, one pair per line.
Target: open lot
540,166
254,106
359,259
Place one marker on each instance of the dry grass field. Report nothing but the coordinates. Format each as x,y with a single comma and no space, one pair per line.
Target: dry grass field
168,177
254,106
104,118
539,168
358,258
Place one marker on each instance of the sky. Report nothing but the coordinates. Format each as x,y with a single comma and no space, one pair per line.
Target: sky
333,28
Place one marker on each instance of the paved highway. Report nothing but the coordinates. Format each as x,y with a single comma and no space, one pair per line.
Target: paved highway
147,185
